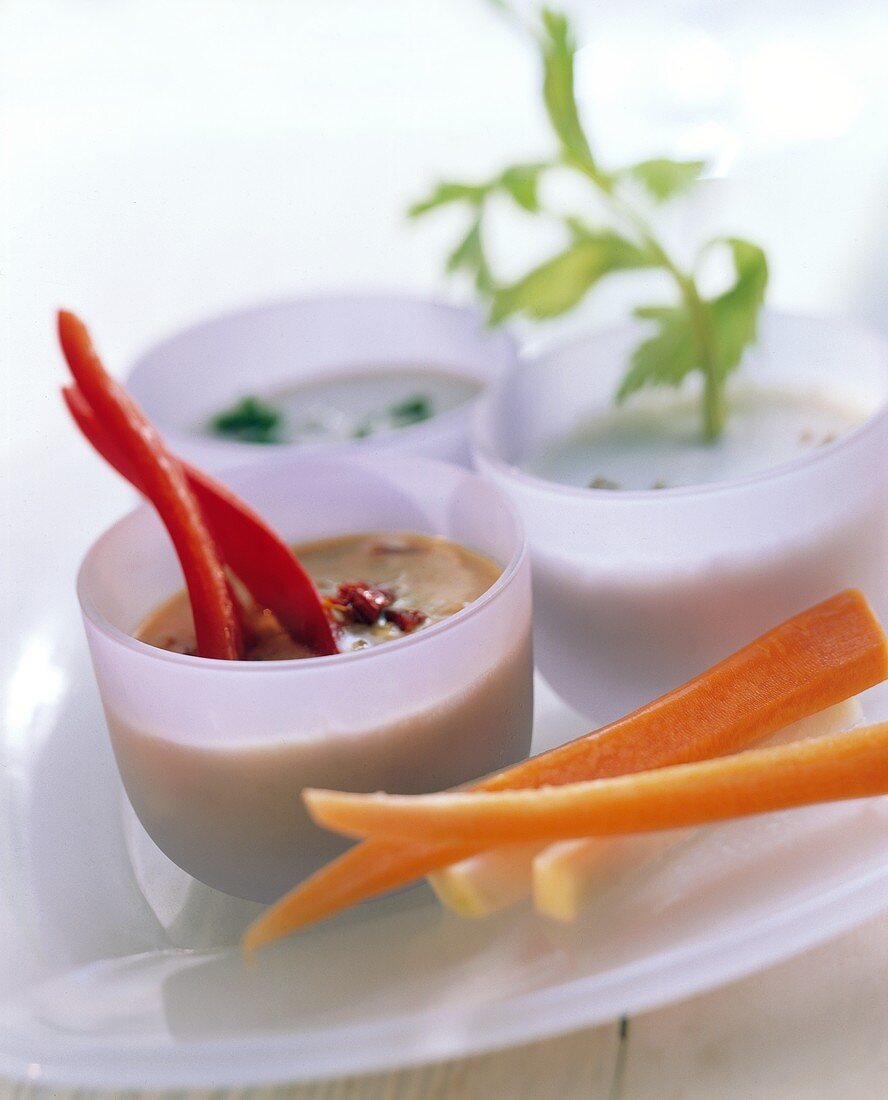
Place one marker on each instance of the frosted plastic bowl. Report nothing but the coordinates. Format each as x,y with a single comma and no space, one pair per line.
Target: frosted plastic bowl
214,754
635,592
186,379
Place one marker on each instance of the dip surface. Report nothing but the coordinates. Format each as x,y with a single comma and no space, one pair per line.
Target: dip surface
655,443
422,573
352,405
356,405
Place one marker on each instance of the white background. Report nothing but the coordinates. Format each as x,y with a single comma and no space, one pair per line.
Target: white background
162,160
165,159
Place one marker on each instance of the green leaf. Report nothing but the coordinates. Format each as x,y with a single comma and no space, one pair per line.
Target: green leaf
664,179
522,183
560,283
671,354
503,6
558,48
250,420
665,359
469,255
444,193
733,316
412,410
624,252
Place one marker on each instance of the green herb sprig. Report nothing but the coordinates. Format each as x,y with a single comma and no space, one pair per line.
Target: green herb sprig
249,420
691,334
412,410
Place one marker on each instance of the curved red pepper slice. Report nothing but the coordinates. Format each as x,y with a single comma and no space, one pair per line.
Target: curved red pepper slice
161,479
104,445
262,561
265,564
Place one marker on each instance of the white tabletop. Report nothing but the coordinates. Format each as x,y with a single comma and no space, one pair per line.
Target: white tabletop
165,160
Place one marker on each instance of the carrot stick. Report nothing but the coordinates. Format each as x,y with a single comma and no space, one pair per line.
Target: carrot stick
823,655
568,873
825,769
215,618
559,875
265,564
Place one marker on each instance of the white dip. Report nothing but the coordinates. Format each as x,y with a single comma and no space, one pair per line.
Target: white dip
354,405
654,442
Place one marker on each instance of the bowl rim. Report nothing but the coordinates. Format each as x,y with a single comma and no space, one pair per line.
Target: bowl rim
484,455
140,368
120,637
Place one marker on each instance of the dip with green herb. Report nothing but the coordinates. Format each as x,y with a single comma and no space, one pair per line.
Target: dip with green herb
346,406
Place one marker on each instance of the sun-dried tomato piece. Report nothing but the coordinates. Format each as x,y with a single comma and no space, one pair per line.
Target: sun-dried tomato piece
406,621
363,601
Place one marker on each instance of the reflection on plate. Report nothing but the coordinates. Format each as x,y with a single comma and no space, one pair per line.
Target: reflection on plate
118,970
138,981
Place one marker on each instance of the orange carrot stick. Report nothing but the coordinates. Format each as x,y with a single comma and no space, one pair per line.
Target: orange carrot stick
560,875
820,657
824,769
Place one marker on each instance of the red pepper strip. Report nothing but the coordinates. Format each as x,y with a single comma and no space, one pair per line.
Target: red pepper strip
263,562
162,481
104,444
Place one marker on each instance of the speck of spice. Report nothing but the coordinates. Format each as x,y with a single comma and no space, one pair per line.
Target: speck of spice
600,482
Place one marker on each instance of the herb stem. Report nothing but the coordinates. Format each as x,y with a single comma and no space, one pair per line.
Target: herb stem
713,407
689,335
714,411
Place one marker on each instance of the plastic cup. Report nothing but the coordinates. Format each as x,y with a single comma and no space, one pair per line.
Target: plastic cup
635,592
184,380
214,754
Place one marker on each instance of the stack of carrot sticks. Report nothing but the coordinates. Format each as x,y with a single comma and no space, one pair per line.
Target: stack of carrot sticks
679,761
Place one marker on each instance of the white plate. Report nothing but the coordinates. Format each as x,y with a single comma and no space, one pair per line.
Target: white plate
117,970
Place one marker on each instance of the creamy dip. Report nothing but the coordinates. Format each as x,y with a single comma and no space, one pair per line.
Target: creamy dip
220,795
655,442
231,813
347,406
421,580
352,405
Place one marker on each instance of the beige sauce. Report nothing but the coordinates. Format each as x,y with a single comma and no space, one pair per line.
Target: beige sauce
421,573
231,814
221,796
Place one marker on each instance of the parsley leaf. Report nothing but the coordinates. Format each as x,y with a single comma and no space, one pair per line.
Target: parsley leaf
522,183
693,334
734,314
558,49
671,354
666,358
561,282
412,410
663,179
469,256
249,420
449,192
